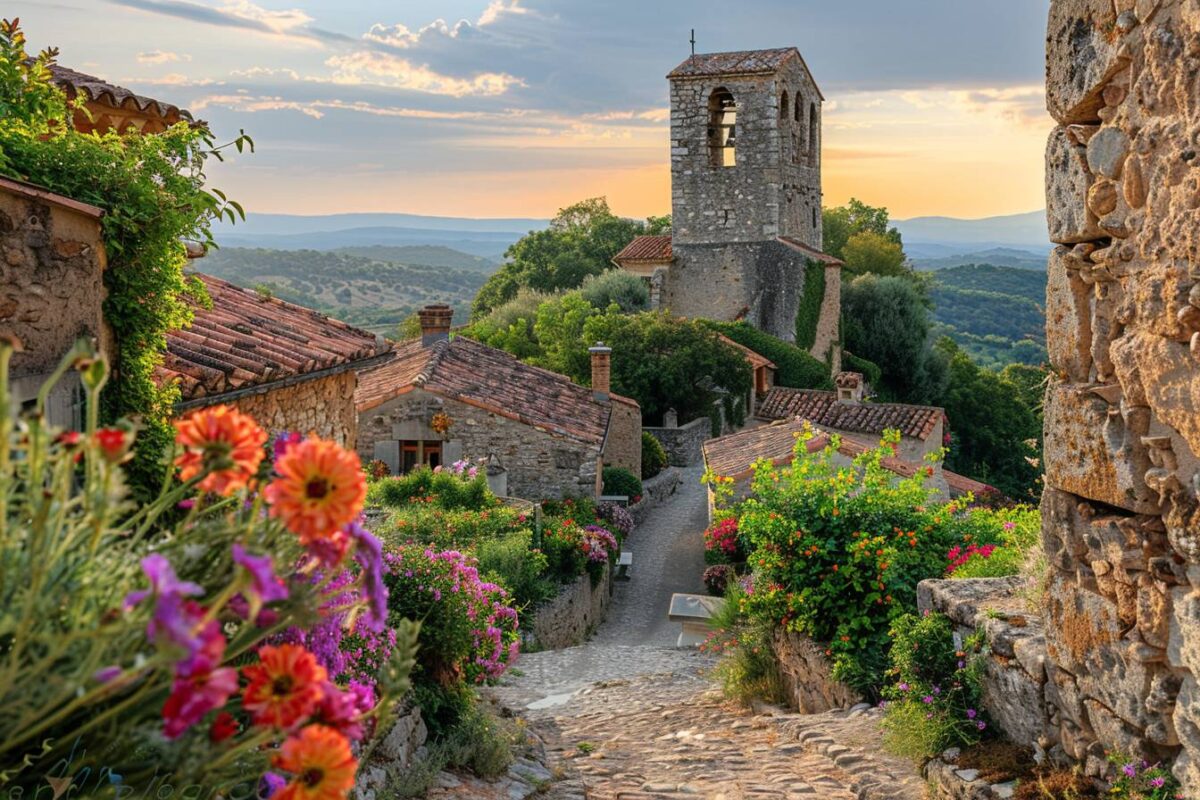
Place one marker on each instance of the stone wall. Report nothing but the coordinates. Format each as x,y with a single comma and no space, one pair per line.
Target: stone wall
324,406
567,620
825,343
684,445
1120,520
52,263
540,464
623,445
655,492
807,675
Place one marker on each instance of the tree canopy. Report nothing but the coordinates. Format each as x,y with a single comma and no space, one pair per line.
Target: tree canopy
840,224
580,241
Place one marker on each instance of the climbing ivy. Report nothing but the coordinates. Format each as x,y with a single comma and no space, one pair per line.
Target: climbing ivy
152,191
809,315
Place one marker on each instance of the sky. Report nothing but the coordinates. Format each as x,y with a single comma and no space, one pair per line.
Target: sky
515,108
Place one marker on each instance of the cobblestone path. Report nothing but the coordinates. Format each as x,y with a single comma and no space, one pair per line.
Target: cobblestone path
628,716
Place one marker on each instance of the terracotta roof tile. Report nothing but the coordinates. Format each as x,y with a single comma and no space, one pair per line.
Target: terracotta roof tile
755,360
646,248
823,409
488,378
811,252
101,91
247,339
737,62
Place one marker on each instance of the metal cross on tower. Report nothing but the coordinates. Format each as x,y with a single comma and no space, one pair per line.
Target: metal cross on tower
693,41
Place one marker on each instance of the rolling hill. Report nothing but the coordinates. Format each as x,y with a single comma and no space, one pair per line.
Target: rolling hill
995,313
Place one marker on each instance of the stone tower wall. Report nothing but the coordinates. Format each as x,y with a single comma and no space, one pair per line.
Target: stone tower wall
775,188
1120,522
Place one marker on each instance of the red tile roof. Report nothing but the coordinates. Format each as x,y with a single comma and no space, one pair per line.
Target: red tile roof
101,91
646,248
739,62
491,379
811,252
247,339
823,409
735,455
755,360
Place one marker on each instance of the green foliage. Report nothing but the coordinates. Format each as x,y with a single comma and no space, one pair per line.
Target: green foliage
1137,780
443,490
1019,538
581,241
840,224
794,367
837,552
620,481
868,252
870,370
747,669
654,457
808,316
995,436
152,190
934,701
480,742
560,334
885,321
994,313
511,561
626,290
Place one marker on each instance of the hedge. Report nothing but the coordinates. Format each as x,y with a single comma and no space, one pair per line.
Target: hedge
795,368
809,314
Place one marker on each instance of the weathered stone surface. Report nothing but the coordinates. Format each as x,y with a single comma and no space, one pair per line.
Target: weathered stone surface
807,675
324,406
1106,153
572,615
1172,384
1081,55
1067,183
683,444
1068,317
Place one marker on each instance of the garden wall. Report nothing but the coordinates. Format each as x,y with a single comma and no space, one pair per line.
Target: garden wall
683,444
655,492
567,620
324,406
400,747
807,675
1120,521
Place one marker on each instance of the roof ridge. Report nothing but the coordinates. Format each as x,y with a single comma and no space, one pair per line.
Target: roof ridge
437,352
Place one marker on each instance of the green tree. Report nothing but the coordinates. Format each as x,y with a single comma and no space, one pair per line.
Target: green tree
559,333
581,241
841,223
871,252
885,320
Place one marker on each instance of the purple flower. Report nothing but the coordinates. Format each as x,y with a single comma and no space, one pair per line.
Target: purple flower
169,621
971,713
962,664
927,699
981,724
187,504
284,441
106,674
1158,782
937,690
904,687
269,784
265,584
1130,770
369,555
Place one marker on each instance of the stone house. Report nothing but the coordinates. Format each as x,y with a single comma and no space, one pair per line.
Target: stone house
745,197
735,455
437,400
52,263
292,368
844,411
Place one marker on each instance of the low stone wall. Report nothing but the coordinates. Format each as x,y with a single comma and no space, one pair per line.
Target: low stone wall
683,444
396,752
655,492
567,620
1016,691
807,676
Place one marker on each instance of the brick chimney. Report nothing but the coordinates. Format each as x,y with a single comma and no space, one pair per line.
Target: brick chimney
849,387
435,323
601,371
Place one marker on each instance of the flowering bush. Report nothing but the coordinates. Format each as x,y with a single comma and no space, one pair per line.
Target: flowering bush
837,552
140,638
1016,532
957,556
452,529
717,578
1140,780
468,630
457,488
721,545
617,518
933,701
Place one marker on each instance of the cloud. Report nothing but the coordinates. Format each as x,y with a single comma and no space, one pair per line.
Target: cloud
293,24
316,109
174,79
265,72
384,69
401,36
161,57
1024,105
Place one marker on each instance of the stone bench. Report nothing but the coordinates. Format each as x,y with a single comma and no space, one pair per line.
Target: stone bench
616,499
693,612
624,562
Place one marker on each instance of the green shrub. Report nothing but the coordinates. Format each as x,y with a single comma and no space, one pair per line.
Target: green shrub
747,669
934,700
620,481
871,372
654,457
627,290
429,524
1017,532
442,489
794,367
511,562
846,546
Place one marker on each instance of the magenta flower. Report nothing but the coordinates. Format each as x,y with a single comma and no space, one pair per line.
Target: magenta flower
981,724
106,674
269,784
369,555
927,699
168,622
265,585
904,687
971,713
1130,770
201,684
339,710
284,441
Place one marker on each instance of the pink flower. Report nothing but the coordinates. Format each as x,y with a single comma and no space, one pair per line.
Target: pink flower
201,684
169,622
265,585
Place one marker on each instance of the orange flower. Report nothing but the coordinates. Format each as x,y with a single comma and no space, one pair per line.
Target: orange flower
222,442
321,764
286,686
114,444
320,489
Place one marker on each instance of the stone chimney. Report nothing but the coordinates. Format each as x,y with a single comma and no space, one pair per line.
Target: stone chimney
849,387
601,371
435,323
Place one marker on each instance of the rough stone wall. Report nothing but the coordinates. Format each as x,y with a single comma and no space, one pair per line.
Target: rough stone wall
1120,520
623,447
52,264
574,613
829,324
324,406
684,445
808,675
540,464
775,187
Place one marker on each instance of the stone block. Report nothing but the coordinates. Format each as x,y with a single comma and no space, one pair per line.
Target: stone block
1081,56
1067,183
1015,702
1068,318
1183,637
1170,378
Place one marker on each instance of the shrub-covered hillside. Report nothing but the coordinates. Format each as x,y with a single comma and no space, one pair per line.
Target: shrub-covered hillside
997,314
